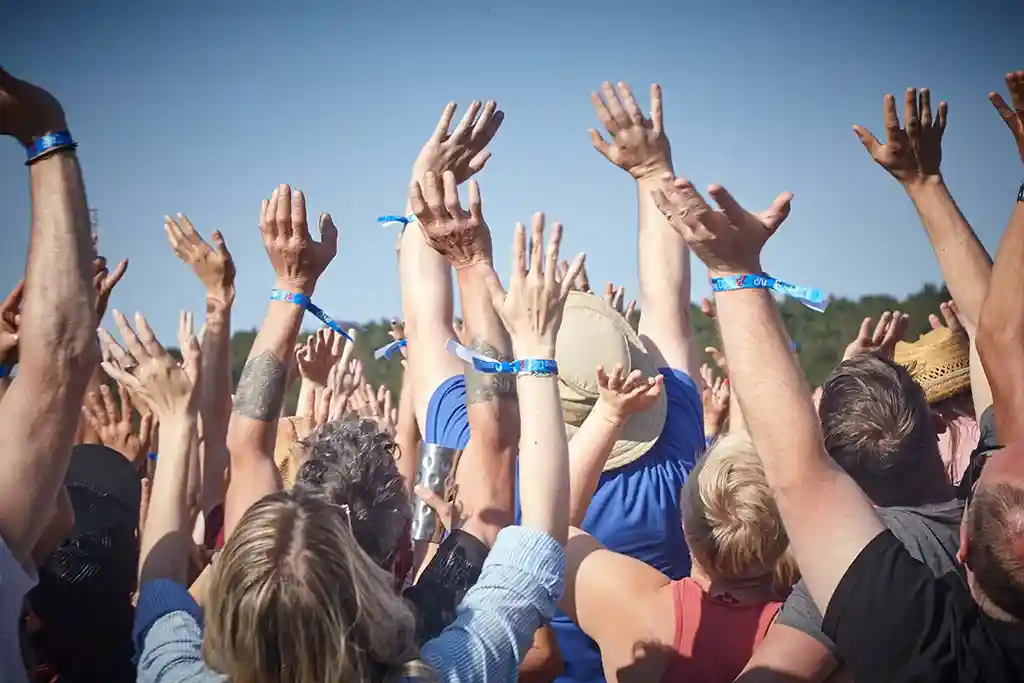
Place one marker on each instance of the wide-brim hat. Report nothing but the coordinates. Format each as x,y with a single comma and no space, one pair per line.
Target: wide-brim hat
592,334
939,361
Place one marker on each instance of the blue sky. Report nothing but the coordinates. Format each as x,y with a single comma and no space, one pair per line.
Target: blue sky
204,108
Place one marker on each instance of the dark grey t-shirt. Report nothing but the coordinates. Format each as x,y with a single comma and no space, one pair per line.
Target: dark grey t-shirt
932,535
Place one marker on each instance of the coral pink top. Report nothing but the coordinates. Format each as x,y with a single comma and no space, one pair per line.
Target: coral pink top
714,639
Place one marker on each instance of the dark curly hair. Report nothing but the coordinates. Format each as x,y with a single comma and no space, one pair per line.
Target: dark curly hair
351,463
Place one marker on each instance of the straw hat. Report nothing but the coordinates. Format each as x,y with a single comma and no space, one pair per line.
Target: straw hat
592,334
939,361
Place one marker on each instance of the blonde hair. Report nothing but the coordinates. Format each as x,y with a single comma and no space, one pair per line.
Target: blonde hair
730,519
294,599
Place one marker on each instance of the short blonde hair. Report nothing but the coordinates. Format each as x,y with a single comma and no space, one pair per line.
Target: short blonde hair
294,599
730,519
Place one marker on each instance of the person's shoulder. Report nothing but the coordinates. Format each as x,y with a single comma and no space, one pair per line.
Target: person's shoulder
931,533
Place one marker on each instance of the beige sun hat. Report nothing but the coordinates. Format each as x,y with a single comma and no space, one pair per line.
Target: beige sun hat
939,361
592,334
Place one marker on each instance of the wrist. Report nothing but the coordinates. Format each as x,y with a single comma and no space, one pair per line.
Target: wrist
476,270
295,285
219,299
653,175
732,271
923,185
609,413
540,350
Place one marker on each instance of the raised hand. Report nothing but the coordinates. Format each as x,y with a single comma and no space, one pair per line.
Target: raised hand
112,421
616,298
1014,118
714,396
298,261
639,144
104,281
27,111
143,366
321,352
532,308
728,241
626,394
912,154
463,150
10,323
460,236
397,333
213,265
891,327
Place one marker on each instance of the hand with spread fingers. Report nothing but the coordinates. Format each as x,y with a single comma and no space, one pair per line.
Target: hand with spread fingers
729,240
213,265
104,281
321,352
638,144
714,395
911,154
298,261
891,327
113,423
27,111
10,324
1014,118
625,394
169,388
532,308
463,150
460,236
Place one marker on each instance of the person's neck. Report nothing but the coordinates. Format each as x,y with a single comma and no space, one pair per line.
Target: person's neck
746,593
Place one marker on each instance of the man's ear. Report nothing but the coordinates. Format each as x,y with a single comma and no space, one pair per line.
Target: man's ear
939,424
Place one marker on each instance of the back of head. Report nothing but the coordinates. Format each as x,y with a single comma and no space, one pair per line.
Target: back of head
877,425
729,515
351,463
995,545
294,599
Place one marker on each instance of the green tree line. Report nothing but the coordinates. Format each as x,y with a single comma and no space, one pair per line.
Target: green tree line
820,337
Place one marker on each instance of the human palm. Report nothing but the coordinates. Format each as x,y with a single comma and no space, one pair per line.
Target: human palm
638,143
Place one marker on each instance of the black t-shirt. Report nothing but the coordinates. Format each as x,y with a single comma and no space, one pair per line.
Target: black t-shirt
892,620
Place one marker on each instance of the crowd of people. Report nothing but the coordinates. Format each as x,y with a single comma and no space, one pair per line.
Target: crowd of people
562,490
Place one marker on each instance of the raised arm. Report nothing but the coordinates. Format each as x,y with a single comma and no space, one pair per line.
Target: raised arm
639,145
298,262
828,518
485,478
215,268
39,414
170,391
1002,321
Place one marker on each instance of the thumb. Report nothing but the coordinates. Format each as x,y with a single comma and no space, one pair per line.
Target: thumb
870,142
219,244
328,232
599,144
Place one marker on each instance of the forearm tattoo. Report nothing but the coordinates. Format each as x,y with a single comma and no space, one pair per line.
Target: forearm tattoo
481,386
260,392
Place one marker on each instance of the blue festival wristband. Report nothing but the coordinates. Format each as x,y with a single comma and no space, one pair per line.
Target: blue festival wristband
388,349
813,299
481,363
5,371
535,367
392,220
48,144
303,301
151,456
